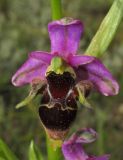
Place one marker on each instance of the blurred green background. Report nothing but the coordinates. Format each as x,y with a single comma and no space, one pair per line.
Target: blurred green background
23,28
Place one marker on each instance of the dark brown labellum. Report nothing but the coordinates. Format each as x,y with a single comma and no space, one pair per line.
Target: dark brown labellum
58,105
55,118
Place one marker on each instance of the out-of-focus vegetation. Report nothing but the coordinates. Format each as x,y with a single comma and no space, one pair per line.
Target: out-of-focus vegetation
23,28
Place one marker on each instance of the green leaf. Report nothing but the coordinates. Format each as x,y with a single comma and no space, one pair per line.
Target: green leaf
34,153
106,31
5,152
2,158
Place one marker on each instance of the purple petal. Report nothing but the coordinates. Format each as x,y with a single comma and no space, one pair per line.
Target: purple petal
101,78
104,157
32,70
43,56
72,148
86,135
74,152
80,60
65,36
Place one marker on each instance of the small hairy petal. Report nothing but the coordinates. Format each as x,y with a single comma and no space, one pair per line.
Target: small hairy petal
99,75
32,70
65,36
80,60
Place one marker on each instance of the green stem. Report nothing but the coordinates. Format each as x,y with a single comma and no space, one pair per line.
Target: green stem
53,150
56,9
101,119
106,31
100,142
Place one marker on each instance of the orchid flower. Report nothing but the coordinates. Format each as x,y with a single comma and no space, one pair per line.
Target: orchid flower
62,77
73,147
